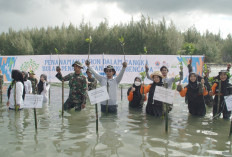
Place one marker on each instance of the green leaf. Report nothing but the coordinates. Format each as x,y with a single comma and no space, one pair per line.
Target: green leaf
145,49
143,75
121,40
56,51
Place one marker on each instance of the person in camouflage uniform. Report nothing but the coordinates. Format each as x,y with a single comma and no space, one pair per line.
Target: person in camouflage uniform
78,87
92,82
34,81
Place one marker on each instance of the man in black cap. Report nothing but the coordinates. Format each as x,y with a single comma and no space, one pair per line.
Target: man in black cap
78,87
111,83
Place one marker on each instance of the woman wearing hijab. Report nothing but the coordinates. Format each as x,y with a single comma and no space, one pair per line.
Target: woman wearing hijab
27,83
195,99
16,91
226,89
135,96
154,107
43,87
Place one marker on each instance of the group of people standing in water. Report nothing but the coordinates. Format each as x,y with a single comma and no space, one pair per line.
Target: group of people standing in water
22,84
198,92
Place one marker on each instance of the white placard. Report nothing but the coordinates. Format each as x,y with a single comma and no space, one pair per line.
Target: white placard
164,94
33,101
228,100
98,95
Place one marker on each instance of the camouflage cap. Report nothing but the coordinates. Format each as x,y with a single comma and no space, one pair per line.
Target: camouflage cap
78,64
88,71
110,67
31,72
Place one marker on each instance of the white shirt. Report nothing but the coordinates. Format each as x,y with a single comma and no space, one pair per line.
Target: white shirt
45,92
27,86
19,96
113,85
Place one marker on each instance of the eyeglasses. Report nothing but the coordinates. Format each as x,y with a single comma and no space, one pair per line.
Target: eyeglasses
109,71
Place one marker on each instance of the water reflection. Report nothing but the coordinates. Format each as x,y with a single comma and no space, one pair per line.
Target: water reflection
109,141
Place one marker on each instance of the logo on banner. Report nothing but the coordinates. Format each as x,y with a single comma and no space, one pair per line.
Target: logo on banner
30,65
157,63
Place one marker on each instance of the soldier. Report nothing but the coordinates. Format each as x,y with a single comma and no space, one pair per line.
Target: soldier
92,82
34,81
78,87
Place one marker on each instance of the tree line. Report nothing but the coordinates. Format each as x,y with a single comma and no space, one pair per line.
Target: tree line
159,38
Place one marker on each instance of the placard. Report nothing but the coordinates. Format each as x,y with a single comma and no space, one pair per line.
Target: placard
228,100
164,94
98,95
33,101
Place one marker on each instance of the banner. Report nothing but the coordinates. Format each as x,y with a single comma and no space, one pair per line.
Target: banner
46,64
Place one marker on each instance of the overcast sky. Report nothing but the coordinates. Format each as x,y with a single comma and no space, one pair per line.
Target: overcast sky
213,15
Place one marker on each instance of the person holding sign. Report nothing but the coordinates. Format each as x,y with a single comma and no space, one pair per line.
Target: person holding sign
196,103
154,107
164,71
43,87
226,89
16,91
78,87
134,95
111,84
92,82
27,83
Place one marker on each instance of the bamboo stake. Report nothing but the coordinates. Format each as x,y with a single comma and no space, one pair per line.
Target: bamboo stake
230,127
62,98
96,110
121,92
35,117
219,96
166,110
107,100
15,97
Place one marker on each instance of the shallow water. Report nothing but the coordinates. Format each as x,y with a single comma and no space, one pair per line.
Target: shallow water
129,133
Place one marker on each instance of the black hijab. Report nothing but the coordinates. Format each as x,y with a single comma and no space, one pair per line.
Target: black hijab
191,84
16,76
25,75
40,84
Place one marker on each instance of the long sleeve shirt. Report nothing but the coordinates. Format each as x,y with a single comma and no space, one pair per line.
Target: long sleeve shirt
19,96
45,92
28,86
112,85
184,91
78,86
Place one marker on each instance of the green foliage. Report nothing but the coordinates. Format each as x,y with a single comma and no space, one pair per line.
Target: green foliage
177,78
57,52
143,75
89,40
145,49
212,80
160,37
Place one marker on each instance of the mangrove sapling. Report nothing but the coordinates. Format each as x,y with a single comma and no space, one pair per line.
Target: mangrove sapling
122,42
89,41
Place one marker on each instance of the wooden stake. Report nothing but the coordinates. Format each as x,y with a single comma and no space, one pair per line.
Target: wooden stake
166,110
35,116
62,98
96,110
219,96
121,92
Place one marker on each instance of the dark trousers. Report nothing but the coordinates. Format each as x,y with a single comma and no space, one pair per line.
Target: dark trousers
111,108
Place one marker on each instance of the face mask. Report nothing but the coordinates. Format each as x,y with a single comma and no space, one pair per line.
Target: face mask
137,83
